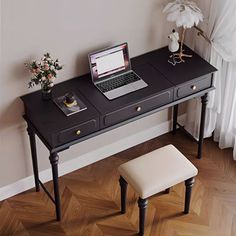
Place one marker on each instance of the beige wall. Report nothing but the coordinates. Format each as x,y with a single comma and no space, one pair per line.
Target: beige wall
68,30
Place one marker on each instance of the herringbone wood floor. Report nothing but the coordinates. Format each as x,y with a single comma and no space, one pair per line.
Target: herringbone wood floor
90,199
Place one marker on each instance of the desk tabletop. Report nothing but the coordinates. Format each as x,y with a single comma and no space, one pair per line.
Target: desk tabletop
156,83
192,68
166,84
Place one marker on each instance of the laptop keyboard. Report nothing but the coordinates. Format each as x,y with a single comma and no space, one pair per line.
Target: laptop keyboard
117,82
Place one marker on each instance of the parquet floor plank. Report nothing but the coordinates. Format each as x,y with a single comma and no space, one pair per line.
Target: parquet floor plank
90,199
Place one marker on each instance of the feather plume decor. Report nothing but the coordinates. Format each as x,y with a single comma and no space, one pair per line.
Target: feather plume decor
185,14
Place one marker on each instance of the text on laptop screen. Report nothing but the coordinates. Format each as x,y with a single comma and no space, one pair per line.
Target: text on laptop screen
109,61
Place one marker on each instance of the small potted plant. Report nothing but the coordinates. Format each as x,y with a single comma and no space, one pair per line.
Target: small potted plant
44,72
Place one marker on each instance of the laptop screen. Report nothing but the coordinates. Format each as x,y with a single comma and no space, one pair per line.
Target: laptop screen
109,61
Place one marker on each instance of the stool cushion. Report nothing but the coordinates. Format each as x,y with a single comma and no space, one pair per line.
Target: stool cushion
157,171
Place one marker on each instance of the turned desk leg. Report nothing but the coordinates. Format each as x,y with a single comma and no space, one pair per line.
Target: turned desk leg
54,158
175,115
202,125
34,157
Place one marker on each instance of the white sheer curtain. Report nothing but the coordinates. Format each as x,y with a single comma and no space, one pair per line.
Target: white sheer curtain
221,109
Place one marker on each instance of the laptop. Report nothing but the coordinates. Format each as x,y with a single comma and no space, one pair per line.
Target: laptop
111,72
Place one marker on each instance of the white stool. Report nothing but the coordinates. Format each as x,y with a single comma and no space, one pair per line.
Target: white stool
154,172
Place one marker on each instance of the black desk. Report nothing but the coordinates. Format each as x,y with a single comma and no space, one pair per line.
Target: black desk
167,86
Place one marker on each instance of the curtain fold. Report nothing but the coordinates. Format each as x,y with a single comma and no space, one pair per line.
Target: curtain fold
221,108
222,28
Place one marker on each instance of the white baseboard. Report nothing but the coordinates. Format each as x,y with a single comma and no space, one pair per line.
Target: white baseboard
88,158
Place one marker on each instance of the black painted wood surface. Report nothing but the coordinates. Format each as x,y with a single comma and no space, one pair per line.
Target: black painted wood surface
165,83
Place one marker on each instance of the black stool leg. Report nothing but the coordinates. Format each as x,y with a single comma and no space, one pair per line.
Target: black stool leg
142,204
123,188
167,190
189,184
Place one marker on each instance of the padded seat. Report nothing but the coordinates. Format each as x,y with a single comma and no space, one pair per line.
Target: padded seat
157,171
154,172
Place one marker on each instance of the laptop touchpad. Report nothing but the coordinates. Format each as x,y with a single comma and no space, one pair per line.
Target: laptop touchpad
139,84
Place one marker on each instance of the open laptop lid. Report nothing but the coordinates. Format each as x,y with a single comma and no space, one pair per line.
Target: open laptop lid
109,62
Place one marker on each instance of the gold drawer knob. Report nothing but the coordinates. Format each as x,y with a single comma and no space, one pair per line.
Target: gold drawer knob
78,132
138,109
193,87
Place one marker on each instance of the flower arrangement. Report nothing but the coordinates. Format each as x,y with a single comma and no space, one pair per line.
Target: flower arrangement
43,72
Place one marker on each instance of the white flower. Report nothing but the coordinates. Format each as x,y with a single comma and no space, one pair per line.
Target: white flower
52,67
43,78
50,85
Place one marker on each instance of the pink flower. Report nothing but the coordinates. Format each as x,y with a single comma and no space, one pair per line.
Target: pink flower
49,76
46,67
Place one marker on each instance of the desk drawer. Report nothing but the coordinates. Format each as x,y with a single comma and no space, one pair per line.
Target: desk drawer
193,87
76,132
138,108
